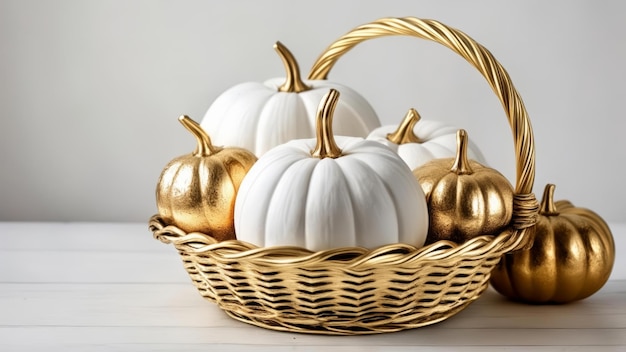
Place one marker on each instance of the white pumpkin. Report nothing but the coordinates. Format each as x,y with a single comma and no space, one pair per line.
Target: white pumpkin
330,192
418,141
258,116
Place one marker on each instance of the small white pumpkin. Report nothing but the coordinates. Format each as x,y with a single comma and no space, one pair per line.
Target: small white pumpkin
418,141
330,192
258,116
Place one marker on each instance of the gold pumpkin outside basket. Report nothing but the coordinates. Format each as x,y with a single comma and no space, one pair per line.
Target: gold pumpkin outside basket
355,290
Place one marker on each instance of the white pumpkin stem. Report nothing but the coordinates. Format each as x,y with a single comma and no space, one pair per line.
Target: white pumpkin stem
547,201
293,81
461,164
404,134
204,146
326,146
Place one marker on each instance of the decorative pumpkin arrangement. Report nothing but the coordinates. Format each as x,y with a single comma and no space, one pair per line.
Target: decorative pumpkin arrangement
330,192
196,192
338,234
465,198
259,116
571,258
418,141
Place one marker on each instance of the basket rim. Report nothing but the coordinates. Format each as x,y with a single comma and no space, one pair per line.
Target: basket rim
395,254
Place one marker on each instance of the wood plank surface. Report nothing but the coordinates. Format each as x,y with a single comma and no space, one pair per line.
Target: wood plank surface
112,287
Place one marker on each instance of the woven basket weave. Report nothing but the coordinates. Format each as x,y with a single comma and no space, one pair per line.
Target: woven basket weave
355,290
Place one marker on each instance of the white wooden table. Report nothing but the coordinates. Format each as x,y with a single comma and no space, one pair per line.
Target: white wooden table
112,287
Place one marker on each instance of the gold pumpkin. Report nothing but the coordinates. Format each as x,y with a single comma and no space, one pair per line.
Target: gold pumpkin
571,257
465,198
197,191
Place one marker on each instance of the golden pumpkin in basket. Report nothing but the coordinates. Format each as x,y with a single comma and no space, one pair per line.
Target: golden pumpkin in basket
197,191
571,258
465,199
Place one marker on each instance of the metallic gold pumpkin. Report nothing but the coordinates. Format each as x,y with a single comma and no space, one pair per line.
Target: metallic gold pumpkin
197,191
571,257
465,198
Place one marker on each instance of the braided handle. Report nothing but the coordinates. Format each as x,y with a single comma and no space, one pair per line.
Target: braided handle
481,59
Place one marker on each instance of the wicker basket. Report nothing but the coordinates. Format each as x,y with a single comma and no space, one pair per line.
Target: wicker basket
355,290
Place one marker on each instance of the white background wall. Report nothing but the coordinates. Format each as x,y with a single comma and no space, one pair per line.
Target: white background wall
90,90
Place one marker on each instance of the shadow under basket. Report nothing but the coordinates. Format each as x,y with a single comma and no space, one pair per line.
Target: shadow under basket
347,291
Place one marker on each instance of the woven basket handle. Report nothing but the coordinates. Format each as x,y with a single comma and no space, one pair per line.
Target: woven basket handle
463,45
487,65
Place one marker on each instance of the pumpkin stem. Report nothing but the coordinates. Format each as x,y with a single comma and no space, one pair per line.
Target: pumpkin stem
204,146
461,164
293,81
326,146
404,134
547,202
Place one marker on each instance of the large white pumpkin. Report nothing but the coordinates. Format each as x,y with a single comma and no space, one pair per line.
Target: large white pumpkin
258,116
418,141
330,192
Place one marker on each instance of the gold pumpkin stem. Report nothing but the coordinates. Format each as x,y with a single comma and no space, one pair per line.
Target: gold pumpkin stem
547,202
404,134
326,146
293,81
204,146
461,163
